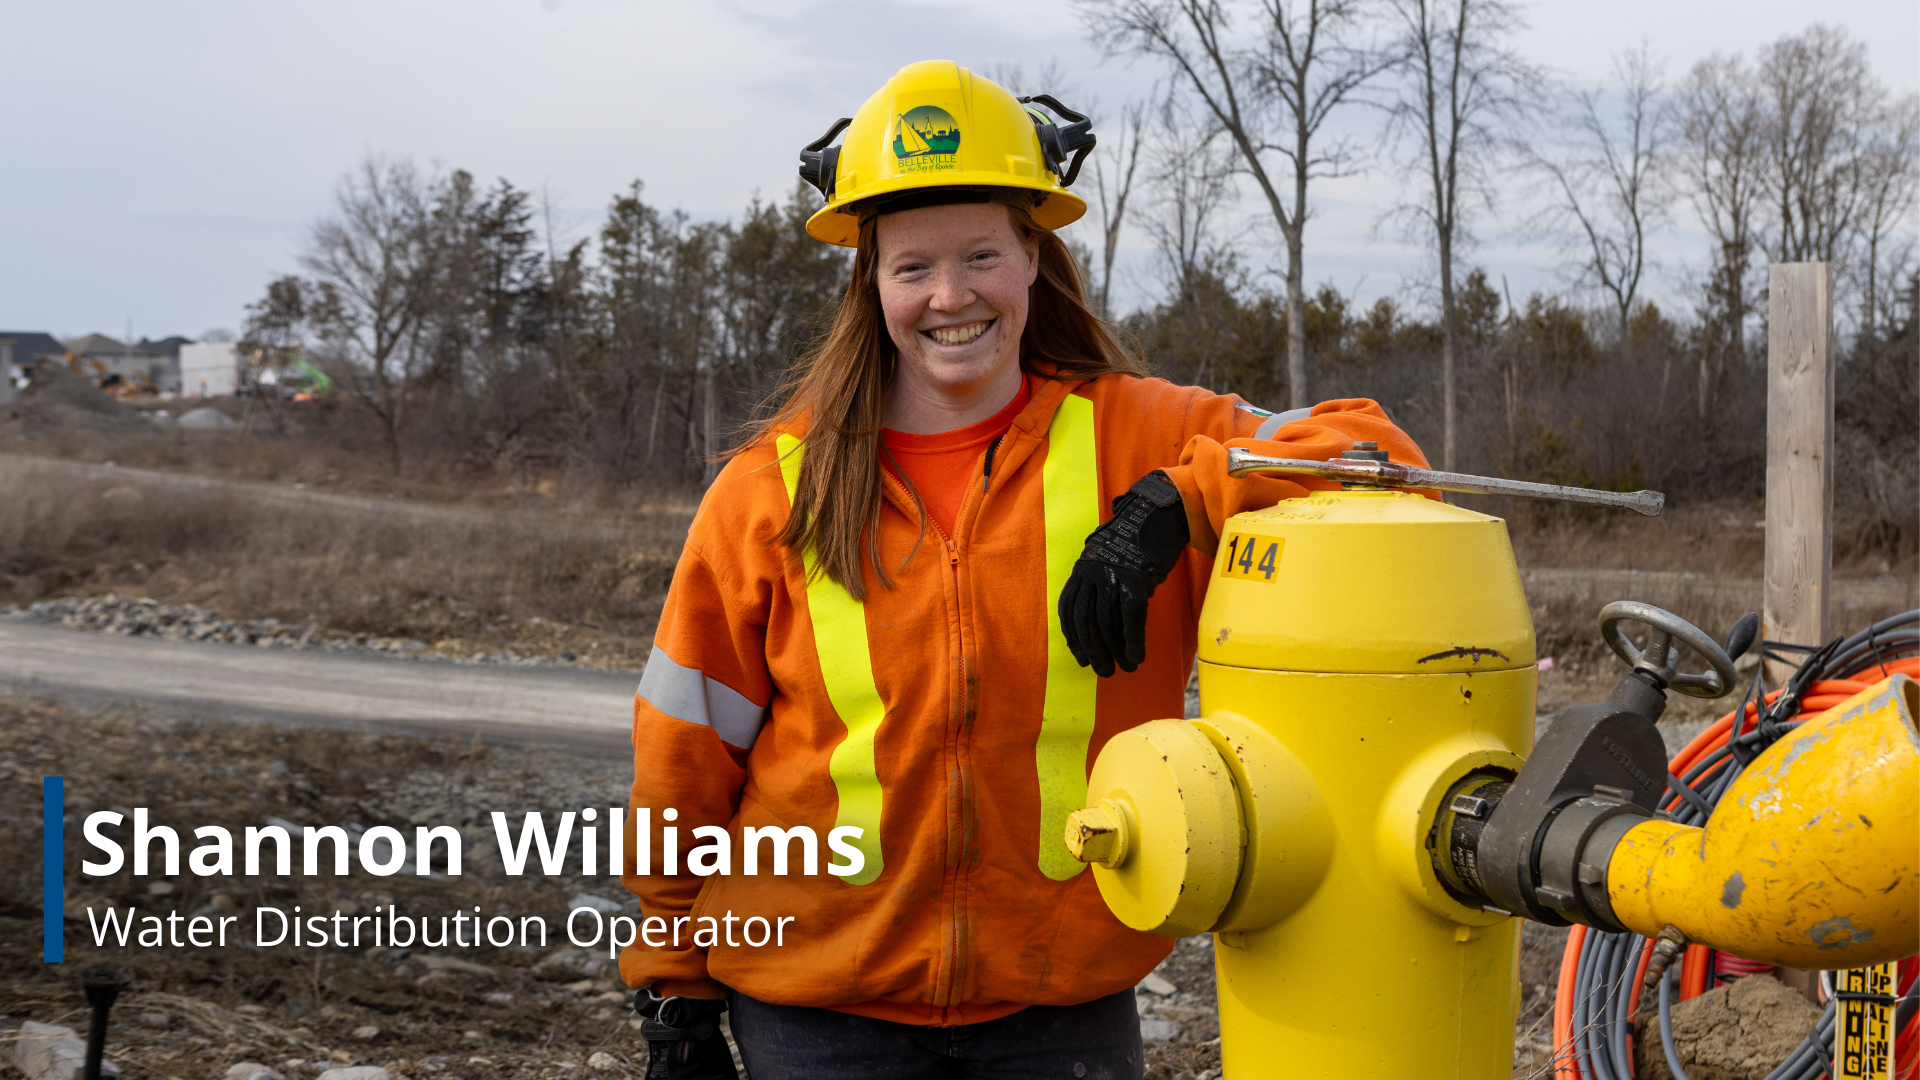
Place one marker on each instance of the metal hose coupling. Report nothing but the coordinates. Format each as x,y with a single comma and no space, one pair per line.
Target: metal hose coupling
1667,947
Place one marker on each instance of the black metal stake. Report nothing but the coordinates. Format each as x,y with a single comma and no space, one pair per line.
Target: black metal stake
102,986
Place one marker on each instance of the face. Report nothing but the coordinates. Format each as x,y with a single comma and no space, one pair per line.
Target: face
953,284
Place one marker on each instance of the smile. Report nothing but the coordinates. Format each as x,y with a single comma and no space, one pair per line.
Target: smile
958,335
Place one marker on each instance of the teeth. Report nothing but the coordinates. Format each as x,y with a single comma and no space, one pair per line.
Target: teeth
958,335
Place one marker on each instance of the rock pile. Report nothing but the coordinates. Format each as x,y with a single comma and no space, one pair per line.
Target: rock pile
136,616
172,622
57,401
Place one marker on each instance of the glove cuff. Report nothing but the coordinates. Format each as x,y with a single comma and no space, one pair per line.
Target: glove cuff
1156,488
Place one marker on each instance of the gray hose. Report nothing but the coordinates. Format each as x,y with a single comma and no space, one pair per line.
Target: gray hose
1666,1026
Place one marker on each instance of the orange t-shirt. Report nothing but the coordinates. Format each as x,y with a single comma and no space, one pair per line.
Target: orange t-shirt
938,467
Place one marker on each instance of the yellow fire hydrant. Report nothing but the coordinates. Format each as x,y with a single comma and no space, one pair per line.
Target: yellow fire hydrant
1356,819
1361,653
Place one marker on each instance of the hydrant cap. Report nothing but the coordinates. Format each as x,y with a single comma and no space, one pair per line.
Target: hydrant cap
1366,582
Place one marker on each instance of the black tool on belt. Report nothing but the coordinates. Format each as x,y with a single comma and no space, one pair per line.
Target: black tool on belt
683,1037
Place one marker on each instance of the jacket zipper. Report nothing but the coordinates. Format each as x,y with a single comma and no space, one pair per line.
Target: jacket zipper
956,936
986,475
956,941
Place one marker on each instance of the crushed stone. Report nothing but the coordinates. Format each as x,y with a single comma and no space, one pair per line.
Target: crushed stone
141,617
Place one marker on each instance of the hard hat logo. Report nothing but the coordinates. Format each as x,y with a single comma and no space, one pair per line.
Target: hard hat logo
926,138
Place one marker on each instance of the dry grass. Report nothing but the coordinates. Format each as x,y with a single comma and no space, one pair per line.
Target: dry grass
329,447
1724,539
565,576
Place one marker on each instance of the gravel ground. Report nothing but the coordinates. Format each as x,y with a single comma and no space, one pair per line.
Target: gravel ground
136,617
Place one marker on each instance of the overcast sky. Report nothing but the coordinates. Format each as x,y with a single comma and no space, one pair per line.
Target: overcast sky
162,161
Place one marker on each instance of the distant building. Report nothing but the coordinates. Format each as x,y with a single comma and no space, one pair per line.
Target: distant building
19,349
150,364
165,370
209,370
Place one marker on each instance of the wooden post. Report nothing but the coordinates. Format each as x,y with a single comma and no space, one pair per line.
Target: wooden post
1799,551
1799,555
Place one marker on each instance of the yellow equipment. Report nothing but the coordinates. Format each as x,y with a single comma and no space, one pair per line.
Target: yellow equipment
937,125
1812,859
1361,810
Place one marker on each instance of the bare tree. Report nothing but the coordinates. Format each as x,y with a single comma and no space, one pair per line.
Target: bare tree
568,317
375,265
1720,169
1890,169
1113,193
1191,173
1461,85
1820,98
1112,187
1271,96
1607,185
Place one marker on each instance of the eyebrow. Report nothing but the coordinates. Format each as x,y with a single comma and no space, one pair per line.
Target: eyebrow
912,253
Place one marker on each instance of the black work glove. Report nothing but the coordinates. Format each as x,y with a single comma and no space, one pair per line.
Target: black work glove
1103,608
683,1037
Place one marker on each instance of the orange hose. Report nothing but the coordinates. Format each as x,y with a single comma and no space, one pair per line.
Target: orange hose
1693,971
1821,696
1568,1067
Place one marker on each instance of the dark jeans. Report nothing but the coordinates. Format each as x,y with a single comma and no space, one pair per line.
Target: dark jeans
1099,1040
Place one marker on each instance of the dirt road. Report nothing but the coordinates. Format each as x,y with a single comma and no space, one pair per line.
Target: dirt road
589,710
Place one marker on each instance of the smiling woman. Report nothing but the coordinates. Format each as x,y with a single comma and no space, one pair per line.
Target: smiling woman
953,287
915,603
1006,296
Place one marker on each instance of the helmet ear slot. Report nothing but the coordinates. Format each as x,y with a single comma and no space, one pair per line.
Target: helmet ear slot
1057,140
820,163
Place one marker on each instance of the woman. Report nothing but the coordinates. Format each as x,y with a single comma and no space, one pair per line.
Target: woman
910,611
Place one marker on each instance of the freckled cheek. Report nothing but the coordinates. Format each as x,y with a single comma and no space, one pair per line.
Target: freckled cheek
1008,298
902,309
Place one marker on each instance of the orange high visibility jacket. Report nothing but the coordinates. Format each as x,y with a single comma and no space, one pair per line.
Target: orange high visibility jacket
934,737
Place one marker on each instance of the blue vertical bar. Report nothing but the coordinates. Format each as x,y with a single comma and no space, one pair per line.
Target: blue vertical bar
53,870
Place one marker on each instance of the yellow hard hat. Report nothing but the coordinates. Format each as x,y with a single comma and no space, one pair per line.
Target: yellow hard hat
939,133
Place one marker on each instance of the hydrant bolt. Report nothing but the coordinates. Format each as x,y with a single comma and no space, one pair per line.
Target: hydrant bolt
1098,834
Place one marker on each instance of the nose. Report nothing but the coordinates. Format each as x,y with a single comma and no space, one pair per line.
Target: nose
948,291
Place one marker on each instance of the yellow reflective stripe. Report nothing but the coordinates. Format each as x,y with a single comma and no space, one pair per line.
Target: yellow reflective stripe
1070,484
846,666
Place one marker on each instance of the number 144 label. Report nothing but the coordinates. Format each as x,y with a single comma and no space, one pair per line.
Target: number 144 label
1256,558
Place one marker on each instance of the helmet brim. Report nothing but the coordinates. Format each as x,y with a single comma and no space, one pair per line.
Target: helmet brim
1056,209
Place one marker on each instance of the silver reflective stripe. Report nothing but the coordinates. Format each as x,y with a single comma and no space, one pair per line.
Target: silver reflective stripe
686,693
1275,422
